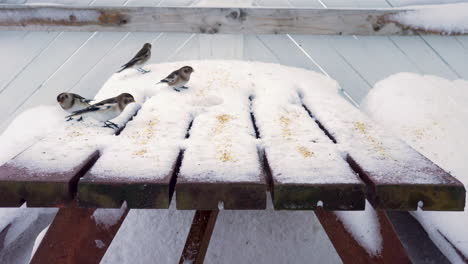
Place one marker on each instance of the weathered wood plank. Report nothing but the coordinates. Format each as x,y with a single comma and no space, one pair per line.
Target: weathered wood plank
221,158
349,249
40,189
206,20
79,235
199,237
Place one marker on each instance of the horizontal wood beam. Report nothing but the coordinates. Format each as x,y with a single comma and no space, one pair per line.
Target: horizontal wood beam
208,20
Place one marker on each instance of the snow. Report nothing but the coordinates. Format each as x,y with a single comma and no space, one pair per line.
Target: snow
448,18
384,157
364,227
310,163
99,243
222,145
430,114
109,217
15,138
38,240
266,236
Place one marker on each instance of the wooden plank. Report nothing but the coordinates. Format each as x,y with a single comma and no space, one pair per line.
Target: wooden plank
365,52
287,52
418,244
349,249
120,53
452,51
43,66
424,57
221,157
79,235
39,189
72,70
23,53
149,154
215,20
199,237
398,177
321,49
217,171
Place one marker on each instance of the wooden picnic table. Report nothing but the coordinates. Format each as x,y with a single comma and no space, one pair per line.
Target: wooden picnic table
309,149
317,152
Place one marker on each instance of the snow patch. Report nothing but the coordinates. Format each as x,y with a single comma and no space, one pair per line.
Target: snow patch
108,217
449,18
364,227
431,115
99,243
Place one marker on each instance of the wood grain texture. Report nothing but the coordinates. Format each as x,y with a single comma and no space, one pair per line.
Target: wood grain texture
19,185
208,20
137,193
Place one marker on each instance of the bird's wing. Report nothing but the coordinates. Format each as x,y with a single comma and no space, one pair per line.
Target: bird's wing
82,99
101,106
142,53
171,77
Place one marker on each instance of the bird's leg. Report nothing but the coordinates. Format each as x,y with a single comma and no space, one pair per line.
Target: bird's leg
143,71
80,119
69,119
177,90
184,87
113,124
107,125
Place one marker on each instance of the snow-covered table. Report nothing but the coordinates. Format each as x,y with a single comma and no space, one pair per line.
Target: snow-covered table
240,129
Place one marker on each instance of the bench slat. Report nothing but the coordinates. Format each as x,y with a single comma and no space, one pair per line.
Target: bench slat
221,166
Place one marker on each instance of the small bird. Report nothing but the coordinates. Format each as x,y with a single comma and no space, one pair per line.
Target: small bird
140,58
71,102
178,78
107,109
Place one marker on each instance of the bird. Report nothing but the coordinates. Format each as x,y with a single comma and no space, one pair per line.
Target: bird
178,78
106,110
71,102
139,59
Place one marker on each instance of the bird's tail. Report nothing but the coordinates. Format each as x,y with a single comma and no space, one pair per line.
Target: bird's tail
82,111
125,66
162,81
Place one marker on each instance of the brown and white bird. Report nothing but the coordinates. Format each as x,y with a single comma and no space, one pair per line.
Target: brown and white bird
139,59
107,109
71,102
178,78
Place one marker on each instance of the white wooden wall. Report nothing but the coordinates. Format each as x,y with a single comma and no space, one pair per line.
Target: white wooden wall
39,65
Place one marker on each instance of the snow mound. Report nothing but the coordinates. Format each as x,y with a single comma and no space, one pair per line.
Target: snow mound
449,18
429,113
